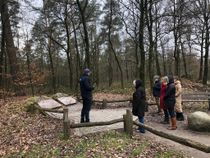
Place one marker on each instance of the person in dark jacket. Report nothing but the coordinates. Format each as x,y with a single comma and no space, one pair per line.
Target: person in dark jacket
170,100
86,89
139,102
156,91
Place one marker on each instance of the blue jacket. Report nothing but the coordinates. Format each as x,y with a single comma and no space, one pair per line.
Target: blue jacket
156,88
86,87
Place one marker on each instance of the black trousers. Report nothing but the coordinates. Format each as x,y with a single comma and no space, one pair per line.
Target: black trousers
87,102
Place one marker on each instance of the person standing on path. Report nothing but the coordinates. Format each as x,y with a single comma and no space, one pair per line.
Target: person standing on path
162,94
169,101
139,102
86,89
156,91
178,105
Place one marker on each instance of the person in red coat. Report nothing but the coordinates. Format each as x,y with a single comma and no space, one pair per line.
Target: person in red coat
162,94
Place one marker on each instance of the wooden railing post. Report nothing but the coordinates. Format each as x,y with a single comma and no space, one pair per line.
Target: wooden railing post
128,123
104,104
66,123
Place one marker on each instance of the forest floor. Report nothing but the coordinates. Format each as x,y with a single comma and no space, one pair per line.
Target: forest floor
31,135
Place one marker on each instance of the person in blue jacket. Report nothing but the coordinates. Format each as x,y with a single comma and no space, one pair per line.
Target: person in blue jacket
86,89
156,92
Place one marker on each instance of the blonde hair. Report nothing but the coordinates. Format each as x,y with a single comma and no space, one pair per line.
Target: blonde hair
165,78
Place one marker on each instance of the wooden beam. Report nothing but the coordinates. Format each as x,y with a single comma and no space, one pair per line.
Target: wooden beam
184,141
91,124
194,100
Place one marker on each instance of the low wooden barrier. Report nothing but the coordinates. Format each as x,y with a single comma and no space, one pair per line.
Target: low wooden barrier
127,120
184,141
128,124
197,97
128,129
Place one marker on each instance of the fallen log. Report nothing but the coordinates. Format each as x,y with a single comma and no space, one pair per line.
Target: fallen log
91,124
177,139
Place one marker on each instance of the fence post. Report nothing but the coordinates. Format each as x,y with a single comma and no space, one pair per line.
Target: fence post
128,123
104,104
66,123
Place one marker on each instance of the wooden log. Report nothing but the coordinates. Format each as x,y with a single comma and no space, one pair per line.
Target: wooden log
91,124
66,123
184,141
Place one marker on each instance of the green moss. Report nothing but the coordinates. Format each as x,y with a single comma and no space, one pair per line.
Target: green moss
139,149
169,154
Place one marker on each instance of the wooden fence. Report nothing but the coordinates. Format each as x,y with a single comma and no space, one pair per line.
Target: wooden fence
128,129
196,97
128,123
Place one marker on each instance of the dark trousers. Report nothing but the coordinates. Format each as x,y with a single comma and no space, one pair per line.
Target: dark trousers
166,115
141,119
171,111
87,102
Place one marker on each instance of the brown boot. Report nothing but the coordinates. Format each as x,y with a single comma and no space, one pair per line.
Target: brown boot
173,121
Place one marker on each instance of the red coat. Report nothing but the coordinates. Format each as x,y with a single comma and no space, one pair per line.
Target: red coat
162,94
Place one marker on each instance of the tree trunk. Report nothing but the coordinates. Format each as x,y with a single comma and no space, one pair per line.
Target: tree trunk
28,49
141,41
78,65
149,22
68,51
10,46
86,38
201,59
184,59
112,47
206,57
163,57
205,73
2,49
51,65
155,44
110,66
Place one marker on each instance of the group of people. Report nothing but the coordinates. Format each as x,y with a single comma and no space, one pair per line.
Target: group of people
166,90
